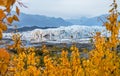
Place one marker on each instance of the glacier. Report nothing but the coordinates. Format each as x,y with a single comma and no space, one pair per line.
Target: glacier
66,34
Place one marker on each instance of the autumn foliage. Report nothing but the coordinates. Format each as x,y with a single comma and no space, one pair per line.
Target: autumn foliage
103,60
6,18
4,61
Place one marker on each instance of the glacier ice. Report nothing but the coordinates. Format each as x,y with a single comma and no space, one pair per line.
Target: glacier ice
63,33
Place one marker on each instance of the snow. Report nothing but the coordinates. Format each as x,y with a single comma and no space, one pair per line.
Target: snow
74,33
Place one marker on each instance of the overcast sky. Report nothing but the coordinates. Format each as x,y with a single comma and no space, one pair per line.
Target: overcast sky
67,8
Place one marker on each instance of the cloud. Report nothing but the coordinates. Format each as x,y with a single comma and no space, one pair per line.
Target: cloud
67,8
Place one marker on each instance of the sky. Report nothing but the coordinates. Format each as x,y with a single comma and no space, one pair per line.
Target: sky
67,9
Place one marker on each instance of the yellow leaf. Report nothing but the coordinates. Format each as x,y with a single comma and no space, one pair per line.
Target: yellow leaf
4,69
10,2
15,18
3,2
8,9
10,19
17,10
0,33
3,26
8,6
13,2
119,24
2,14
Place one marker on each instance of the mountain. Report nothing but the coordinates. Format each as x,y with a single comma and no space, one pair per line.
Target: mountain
89,21
40,21
28,20
98,20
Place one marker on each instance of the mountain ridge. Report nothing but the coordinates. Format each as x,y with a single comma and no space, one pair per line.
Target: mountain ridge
40,21
45,21
89,21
